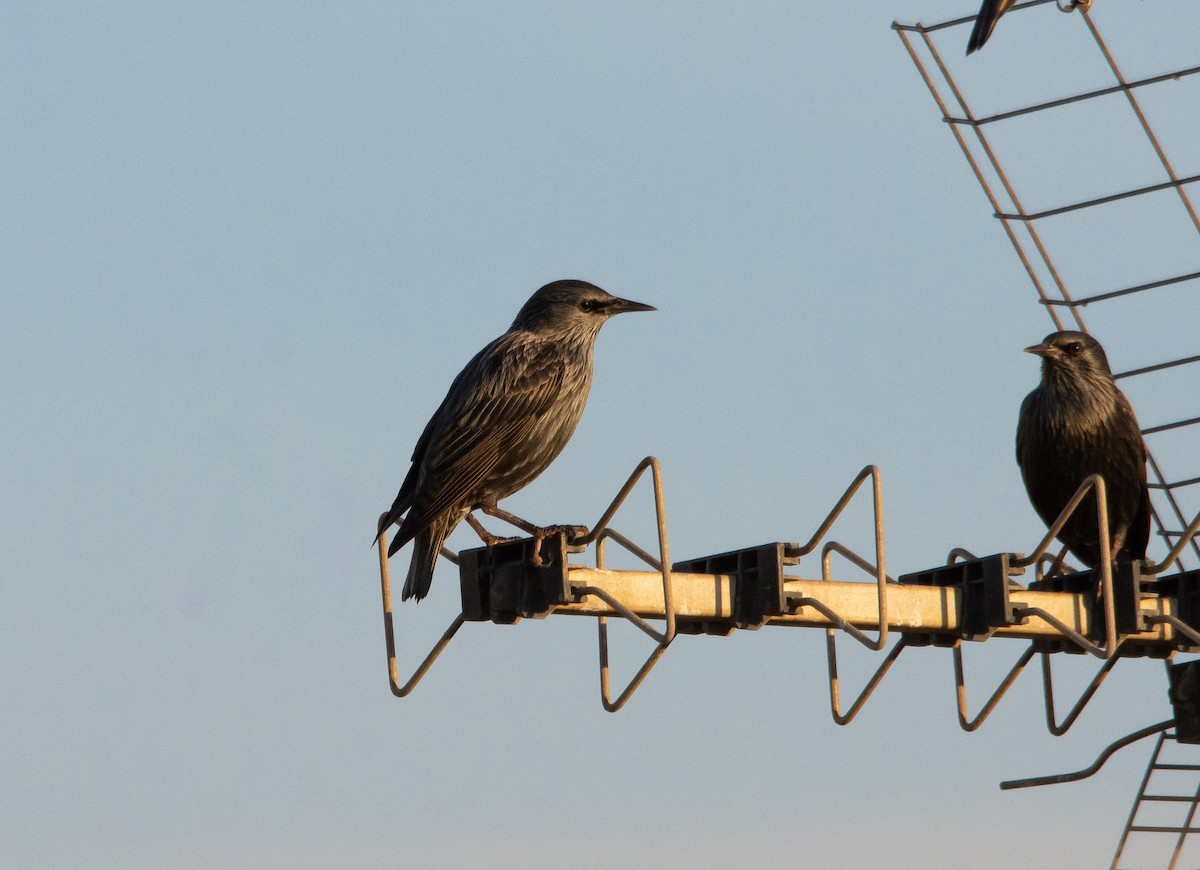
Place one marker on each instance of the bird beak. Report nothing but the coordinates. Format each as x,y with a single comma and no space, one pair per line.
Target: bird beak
1044,350
618,306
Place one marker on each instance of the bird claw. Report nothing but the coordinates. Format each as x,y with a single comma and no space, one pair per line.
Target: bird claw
571,533
492,540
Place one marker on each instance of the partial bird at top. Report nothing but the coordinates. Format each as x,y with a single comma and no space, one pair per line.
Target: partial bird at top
506,417
990,12
1077,423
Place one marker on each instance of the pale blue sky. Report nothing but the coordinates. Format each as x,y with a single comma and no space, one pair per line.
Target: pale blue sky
244,252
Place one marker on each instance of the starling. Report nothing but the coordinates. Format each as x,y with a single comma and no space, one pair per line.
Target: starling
506,417
1075,424
990,12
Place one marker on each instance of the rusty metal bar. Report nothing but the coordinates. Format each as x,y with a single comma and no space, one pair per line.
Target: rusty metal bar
1172,501
599,533
1092,768
835,700
878,569
1095,482
1137,801
960,690
1059,729
1175,622
1187,536
841,623
389,631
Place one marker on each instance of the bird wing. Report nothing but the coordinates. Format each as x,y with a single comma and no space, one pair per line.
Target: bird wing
1129,436
493,404
1137,539
404,497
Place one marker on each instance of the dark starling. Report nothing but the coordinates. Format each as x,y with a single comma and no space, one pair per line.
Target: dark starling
990,12
507,416
1075,424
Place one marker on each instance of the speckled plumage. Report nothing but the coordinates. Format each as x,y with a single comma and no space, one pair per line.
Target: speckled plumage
506,417
1075,424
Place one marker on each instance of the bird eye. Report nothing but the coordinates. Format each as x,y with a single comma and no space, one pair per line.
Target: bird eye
589,305
1074,347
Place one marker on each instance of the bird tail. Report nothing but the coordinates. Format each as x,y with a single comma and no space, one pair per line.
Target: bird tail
426,546
985,23
394,515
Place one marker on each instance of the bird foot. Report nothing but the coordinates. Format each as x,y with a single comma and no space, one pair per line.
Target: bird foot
1056,567
543,532
489,540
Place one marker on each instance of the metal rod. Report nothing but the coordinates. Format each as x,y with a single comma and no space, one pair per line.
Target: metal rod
389,631
878,569
1066,101
1166,427
835,701
1189,535
1059,729
1102,200
1171,500
599,534
1095,765
1138,288
1191,481
960,690
1096,483
1136,801
1160,366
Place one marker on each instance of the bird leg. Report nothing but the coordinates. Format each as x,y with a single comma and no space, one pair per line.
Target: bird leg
489,540
539,533
512,519
1056,565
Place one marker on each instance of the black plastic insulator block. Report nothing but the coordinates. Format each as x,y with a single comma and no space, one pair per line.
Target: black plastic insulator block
1185,700
757,581
1184,587
983,596
1130,587
501,584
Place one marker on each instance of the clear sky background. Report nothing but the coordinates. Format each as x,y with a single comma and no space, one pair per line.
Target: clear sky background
245,248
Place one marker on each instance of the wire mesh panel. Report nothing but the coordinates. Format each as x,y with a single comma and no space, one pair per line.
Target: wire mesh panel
1092,168
1162,822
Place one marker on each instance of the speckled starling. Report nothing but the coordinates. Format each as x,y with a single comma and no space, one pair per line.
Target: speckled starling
507,416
